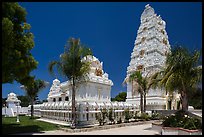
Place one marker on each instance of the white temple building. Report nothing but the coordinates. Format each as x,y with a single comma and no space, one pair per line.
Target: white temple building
92,95
149,55
12,106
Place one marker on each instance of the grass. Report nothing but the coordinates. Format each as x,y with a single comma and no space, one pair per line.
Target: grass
26,125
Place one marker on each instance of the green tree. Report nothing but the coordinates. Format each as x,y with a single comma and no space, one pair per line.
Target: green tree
24,101
120,97
3,102
72,66
17,41
44,100
32,91
195,98
181,73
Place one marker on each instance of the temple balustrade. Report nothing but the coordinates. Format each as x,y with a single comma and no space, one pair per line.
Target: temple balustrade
85,111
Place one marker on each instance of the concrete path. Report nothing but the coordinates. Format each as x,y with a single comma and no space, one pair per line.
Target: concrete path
145,129
197,112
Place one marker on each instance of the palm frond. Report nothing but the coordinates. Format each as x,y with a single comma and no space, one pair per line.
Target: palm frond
195,75
33,89
53,64
85,51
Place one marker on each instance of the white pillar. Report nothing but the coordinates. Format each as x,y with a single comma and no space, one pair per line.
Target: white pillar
17,120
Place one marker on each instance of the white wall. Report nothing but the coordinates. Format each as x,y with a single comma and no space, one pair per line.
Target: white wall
11,112
89,91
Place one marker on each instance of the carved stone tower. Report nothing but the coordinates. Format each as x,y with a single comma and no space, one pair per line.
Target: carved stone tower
149,54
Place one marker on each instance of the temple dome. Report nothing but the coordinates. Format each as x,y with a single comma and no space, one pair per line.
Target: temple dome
56,82
11,94
12,97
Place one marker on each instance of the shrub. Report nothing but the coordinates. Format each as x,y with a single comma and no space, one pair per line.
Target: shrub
189,124
156,116
170,121
119,121
136,115
145,116
192,124
99,118
181,119
127,115
102,116
111,115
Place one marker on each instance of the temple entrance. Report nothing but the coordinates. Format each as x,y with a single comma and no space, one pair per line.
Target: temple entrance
169,104
87,114
178,105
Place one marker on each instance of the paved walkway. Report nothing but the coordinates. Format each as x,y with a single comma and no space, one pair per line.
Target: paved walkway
145,129
197,112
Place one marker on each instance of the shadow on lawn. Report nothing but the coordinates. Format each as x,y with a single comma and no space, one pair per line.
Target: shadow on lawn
16,128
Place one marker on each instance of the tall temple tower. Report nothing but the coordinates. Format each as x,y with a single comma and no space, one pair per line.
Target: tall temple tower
149,54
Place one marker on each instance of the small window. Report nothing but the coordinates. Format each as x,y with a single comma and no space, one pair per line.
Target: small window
162,31
142,52
60,99
145,28
165,53
66,98
87,114
54,99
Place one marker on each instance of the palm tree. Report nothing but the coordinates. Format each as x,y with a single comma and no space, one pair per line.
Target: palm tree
72,67
32,91
181,73
144,83
138,79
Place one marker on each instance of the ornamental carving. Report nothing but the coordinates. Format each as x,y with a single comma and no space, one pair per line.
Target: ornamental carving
98,72
165,41
145,28
162,31
160,23
140,67
165,53
143,39
142,53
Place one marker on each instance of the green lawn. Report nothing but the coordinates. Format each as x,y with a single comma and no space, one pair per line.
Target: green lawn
10,126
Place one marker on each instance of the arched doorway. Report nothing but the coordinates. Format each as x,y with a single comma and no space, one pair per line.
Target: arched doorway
169,104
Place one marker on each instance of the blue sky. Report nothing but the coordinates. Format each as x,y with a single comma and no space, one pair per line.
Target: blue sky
108,28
